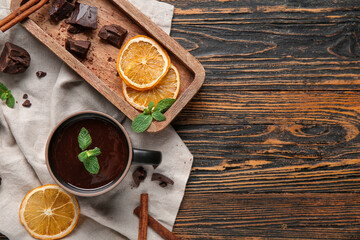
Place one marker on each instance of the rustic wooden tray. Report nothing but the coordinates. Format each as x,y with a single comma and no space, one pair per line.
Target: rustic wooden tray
99,68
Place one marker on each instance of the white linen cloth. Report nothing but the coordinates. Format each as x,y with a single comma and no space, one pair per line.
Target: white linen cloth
24,131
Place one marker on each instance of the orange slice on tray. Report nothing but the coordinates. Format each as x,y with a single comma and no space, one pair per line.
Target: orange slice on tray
168,87
142,63
47,212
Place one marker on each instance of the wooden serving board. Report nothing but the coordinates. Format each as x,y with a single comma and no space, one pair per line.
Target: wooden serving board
99,68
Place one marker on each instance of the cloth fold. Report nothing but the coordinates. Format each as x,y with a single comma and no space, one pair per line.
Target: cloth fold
24,131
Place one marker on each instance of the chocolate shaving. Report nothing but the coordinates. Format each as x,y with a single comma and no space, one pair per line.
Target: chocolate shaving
164,180
139,175
60,10
14,59
27,104
40,74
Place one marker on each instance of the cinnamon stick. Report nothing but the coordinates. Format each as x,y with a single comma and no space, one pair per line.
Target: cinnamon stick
21,13
154,224
143,223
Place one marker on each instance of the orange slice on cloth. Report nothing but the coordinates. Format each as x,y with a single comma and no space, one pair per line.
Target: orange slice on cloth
168,87
142,63
48,212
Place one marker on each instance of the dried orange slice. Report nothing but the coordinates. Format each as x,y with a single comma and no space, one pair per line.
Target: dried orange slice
48,212
168,87
142,63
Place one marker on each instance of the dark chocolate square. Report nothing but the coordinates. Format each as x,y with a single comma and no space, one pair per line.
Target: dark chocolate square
77,47
113,34
61,10
84,15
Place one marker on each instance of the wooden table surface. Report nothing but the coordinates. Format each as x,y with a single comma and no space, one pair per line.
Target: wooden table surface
275,128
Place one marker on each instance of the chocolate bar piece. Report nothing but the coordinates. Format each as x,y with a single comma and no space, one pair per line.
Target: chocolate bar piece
113,34
61,10
139,175
14,59
75,29
84,15
77,47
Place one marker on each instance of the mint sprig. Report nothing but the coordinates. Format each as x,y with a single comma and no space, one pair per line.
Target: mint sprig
88,157
7,96
143,121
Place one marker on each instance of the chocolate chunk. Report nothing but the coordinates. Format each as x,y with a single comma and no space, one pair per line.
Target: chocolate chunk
27,103
164,181
139,175
40,74
113,34
14,59
75,29
61,10
84,15
77,47
25,96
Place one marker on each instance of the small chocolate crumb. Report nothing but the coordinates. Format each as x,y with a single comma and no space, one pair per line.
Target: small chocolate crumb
25,96
40,74
155,166
117,74
164,180
139,175
27,103
109,59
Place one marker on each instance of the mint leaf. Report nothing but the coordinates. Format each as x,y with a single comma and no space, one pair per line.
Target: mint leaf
92,165
84,139
151,106
10,102
4,96
3,88
147,111
164,105
141,122
94,152
82,156
158,116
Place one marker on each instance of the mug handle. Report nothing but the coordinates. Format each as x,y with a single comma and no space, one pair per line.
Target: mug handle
141,156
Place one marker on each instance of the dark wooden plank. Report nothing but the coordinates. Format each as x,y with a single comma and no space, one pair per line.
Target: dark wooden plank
272,45
273,158
224,106
269,216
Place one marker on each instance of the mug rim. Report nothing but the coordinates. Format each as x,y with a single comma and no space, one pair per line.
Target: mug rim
84,193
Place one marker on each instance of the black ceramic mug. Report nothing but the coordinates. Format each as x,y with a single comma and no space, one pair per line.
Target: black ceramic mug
107,134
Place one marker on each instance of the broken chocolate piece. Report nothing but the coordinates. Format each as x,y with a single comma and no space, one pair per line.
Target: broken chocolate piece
40,74
75,29
27,103
164,180
25,96
14,59
61,10
113,34
84,15
77,47
139,175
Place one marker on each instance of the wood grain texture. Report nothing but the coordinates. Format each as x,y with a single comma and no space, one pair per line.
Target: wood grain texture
275,128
